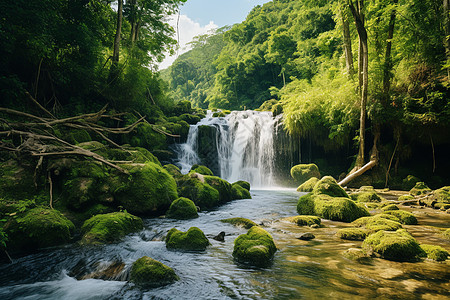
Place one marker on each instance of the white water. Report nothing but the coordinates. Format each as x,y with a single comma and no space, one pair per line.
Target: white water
244,147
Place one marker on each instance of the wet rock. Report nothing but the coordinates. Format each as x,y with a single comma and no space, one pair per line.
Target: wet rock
356,254
305,220
315,226
353,234
246,223
220,237
308,185
192,240
151,273
307,236
182,209
256,247
238,192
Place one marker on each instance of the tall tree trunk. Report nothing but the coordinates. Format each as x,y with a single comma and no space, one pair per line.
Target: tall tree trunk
133,20
358,15
115,57
388,57
446,10
347,42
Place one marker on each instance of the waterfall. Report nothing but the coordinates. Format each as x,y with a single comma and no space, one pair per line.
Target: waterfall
239,146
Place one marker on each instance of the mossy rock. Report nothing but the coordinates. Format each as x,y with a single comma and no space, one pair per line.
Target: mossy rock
148,272
331,208
446,233
144,136
405,197
442,194
222,186
256,247
244,184
328,186
77,136
38,228
108,228
173,170
238,192
352,234
405,217
393,245
182,209
201,193
201,170
436,253
220,114
377,223
409,182
192,240
357,255
303,172
441,206
16,181
182,107
243,222
304,220
366,196
390,207
308,185
148,189
277,109
420,189
190,118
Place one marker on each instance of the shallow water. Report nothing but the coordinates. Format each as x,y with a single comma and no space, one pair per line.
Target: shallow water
300,270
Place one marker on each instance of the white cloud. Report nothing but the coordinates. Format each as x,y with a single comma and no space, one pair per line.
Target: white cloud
188,29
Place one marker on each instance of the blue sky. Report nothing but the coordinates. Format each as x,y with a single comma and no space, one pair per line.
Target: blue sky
201,16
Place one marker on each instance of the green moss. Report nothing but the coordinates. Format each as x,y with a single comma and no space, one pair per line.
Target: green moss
356,254
409,182
353,234
76,136
304,220
193,240
256,247
267,105
148,272
405,217
38,228
219,114
201,193
149,189
339,209
377,223
201,170
238,192
190,119
183,209
442,194
441,206
182,107
303,172
308,185
446,234
246,223
16,181
277,109
173,170
143,135
328,186
244,184
366,196
306,205
405,198
393,245
108,228
390,207
222,186
436,253
419,189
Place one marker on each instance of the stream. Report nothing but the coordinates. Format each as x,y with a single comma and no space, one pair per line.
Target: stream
300,270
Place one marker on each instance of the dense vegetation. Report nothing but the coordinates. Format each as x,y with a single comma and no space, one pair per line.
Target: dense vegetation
305,55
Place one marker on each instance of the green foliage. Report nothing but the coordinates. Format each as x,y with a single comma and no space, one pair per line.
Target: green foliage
148,272
246,223
256,247
182,208
193,240
108,228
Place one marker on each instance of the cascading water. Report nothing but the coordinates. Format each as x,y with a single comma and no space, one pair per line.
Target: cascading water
239,146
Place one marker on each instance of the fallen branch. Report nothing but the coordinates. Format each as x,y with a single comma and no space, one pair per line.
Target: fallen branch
51,189
357,173
38,104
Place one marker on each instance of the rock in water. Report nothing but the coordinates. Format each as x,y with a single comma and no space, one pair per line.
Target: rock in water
220,237
307,236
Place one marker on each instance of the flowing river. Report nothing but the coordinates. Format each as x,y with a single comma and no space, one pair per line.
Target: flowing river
300,270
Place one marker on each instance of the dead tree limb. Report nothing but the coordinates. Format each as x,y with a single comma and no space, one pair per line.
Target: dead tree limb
357,173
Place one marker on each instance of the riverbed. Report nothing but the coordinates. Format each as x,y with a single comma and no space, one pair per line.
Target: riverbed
300,270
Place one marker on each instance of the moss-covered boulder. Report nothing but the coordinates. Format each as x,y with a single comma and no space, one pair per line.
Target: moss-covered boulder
201,170
16,180
222,186
389,207
420,189
203,195
409,182
219,114
304,220
442,195
378,223
38,228
404,217
244,184
308,185
353,234
183,209
190,118
108,228
366,194
256,247
357,255
277,109
331,208
243,222
148,272
238,192
433,252
393,245
145,136
173,170
328,186
303,172
148,190
192,240
405,197
446,233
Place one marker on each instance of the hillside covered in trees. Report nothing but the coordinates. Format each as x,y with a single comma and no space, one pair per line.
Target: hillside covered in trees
323,60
